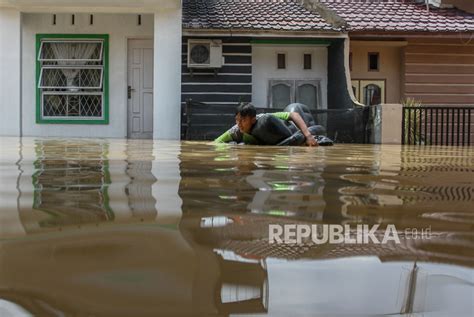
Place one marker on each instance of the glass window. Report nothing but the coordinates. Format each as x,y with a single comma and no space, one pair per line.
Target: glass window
281,95
72,81
307,94
284,92
373,61
372,95
281,61
307,61
369,91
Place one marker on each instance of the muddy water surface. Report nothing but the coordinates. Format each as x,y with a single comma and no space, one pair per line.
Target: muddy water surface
146,228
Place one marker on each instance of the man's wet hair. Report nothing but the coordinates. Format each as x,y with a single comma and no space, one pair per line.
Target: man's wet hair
246,110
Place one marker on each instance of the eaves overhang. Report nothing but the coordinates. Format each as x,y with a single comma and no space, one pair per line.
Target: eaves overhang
91,6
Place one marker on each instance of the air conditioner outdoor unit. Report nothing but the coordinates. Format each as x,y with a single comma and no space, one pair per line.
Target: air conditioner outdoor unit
204,53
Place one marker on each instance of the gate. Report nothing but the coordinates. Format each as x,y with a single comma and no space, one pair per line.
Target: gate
437,125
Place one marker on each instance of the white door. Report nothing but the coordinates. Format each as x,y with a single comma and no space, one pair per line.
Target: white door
140,89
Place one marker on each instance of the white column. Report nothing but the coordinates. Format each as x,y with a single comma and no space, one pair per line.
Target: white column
167,75
10,61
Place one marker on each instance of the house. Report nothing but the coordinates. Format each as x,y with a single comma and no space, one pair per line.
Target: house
122,69
402,50
65,67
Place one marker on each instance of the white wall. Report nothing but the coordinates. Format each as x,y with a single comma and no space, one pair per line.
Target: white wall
120,27
264,67
10,51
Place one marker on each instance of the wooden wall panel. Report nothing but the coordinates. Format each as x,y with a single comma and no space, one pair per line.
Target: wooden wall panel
438,79
443,99
232,83
452,59
439,71
441,49
440,89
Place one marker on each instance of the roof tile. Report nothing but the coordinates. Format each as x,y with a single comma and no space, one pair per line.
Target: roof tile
291,15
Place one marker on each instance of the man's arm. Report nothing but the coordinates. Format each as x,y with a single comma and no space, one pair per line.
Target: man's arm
231,135
224,138
296,118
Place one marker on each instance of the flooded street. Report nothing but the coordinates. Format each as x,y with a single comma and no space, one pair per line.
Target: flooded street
92,227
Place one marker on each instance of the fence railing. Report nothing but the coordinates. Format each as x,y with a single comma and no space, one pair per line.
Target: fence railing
437,125
206,122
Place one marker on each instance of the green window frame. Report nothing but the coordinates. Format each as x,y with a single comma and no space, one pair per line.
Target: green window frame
99,68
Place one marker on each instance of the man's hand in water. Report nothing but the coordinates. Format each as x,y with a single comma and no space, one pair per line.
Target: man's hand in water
296,118
311,141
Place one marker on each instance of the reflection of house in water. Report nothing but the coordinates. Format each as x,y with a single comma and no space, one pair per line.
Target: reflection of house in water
77,182
280,194
139,190
135,268
70,185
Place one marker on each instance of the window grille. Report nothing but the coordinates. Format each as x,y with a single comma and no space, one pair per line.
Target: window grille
71,79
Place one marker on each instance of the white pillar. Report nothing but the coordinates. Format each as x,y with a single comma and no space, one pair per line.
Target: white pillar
10,67
167,75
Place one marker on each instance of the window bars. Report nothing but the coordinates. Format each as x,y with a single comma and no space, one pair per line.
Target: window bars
71,78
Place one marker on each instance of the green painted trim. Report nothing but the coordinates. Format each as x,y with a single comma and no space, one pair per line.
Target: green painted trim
105,38
290,41
107,183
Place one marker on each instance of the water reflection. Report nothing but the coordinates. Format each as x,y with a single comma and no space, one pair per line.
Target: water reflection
137,227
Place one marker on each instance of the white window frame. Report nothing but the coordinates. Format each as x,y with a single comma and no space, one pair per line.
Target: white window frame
71,41
71,67
71,93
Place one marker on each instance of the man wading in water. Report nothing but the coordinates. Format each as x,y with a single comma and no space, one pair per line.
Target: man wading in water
280,128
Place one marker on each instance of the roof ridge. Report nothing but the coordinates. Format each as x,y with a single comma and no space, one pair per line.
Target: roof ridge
330,16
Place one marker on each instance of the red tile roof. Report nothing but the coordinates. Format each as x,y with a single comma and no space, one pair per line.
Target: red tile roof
400,16
275,15
291,15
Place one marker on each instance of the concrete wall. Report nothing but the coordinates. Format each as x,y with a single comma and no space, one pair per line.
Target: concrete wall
120,27
390,64
10,66
264,67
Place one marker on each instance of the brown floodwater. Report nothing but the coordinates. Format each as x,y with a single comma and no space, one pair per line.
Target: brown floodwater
93,227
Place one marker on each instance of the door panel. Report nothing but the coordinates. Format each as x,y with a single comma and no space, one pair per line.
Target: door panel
140,89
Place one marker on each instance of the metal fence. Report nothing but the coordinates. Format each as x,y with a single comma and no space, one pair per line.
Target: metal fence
206,122
438,125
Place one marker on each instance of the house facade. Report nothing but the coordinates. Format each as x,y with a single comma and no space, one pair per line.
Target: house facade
125,70
65,68
403,50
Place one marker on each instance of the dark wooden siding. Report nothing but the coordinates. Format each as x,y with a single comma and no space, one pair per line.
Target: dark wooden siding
232,83
440,71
